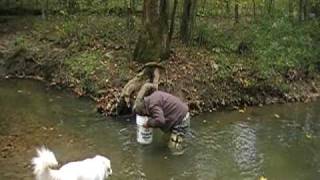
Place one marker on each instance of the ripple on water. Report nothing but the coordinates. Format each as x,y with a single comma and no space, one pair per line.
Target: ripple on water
233,148
245,154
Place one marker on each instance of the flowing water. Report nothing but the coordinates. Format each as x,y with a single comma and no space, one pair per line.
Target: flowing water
278,142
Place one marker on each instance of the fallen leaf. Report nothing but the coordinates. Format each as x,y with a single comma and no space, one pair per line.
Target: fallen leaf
263,178
308,136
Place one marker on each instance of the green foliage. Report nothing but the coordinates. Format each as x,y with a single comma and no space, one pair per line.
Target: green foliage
275,45
102,7
111,7
84,31
78,32
216,37
225,63
279,52
84,63
84,67
20,41
280,45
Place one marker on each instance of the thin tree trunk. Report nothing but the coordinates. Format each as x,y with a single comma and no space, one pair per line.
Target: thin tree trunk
189,10
254,8
43,12
290,10
130,23
265,7
227,7
171,29
300,10
47,6
184,29
36,5
144,13
133,5
204,3
192,18
67,5
21,4
164,17
305,9
8,4
270,7
236,11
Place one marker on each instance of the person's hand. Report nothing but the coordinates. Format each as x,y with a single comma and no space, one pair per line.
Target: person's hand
145,125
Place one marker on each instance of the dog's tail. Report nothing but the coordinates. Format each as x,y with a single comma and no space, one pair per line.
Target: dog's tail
43,162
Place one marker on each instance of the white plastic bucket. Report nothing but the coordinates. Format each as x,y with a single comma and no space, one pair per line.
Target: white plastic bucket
144,135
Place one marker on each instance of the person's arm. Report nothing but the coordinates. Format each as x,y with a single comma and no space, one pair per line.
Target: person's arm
156,119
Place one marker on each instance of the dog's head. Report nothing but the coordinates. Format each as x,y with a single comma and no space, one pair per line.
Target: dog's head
106,164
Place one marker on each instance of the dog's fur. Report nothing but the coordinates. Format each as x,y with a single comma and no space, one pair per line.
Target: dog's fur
97,168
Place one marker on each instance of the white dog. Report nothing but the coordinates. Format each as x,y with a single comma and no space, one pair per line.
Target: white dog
97,168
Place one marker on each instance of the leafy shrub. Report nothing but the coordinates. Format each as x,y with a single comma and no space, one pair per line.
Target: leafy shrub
84,64
83,69
280,45
276,44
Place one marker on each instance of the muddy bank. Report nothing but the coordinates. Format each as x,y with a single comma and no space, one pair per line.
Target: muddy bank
188,80
101,69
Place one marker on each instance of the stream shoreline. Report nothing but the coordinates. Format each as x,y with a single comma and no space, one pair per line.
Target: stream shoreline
193,74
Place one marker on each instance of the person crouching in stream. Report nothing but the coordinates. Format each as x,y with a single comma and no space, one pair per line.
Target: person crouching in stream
168,113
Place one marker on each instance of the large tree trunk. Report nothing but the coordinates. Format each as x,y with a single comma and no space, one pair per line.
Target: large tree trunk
153,38
189,10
